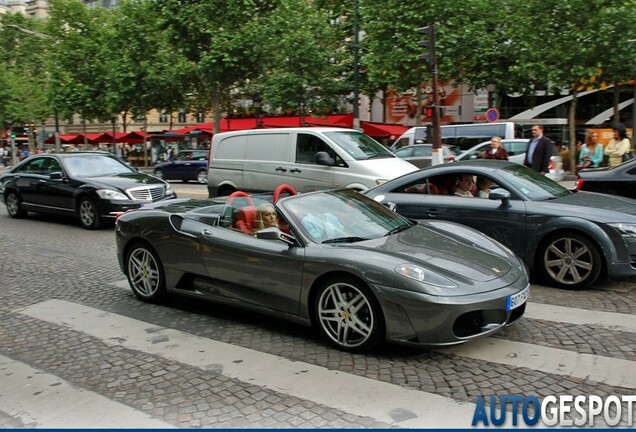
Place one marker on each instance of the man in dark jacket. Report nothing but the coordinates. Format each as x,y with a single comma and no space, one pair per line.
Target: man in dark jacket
539,151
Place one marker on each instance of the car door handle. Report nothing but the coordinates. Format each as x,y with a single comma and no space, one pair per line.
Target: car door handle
432,213
42,181
206,232
295,170
281,169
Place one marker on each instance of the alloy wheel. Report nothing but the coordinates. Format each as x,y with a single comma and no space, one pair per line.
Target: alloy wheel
87,214
346,315
571,261
143,273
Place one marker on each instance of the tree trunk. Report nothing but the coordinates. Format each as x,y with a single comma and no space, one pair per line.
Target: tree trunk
216,113
572,124
84,130
145,139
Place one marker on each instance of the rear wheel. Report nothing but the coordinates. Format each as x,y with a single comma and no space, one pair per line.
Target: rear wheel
13,203
202,176
570,260
145,273
88,215
348,315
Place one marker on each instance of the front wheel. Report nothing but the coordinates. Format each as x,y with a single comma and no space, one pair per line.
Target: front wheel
145,273
88,215
13,204
202,177
570,260
348,315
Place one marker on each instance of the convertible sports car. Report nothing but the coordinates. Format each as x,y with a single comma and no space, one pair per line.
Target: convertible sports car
334,259
569,239
616,180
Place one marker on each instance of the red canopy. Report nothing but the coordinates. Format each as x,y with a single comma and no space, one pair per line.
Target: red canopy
66,139
383,130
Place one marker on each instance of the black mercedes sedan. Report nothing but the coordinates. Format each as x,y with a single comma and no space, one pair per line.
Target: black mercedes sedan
616,180
92,186
567,239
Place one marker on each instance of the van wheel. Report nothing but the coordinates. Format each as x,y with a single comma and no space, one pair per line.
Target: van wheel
202,177
225,191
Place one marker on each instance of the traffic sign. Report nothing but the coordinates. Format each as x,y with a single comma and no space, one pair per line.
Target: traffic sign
492,115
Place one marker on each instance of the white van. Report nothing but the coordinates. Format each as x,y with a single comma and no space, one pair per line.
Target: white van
463,136
308,159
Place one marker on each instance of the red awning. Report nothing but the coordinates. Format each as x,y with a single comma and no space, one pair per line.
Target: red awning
383,130
66,139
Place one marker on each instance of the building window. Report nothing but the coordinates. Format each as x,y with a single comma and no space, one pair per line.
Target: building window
200,117
182,117
163,116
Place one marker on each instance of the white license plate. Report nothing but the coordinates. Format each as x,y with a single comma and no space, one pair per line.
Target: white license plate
516,300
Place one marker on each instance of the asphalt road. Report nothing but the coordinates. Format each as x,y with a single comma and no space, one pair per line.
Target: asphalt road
78,350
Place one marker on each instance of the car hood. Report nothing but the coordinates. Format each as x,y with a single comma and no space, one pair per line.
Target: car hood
124,181
460,254
595,206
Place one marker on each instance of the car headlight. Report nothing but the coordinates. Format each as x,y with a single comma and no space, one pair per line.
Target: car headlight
169,190
420,274
110,194
626,230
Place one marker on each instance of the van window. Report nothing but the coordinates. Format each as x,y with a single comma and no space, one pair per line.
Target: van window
232,147
359,146
308,145
267,147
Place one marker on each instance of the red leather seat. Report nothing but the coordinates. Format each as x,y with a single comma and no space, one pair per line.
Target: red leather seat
246,219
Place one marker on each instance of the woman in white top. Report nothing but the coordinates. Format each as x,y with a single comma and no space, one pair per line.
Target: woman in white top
617,147
483,187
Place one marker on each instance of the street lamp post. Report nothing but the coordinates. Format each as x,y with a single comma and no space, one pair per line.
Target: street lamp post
356,68
256,103
491,88
58,145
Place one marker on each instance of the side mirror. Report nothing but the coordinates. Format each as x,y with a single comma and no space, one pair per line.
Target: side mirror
391,205
323,158
275,234
57,175
500,194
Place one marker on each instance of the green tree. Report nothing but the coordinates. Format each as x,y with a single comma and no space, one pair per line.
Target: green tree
78,66
301,66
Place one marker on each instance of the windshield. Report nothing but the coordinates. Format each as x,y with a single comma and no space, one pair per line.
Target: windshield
359,146
532,185
342,216
95,166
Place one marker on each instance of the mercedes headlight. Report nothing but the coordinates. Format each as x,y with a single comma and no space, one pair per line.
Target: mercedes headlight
420,274
110,194
169,190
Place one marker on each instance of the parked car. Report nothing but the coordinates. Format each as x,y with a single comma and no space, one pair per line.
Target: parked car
616,180
187,165
421,155
516,149
92,186
338,260
566,239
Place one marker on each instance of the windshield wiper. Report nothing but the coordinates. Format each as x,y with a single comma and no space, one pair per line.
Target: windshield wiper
376,156
397,230
351,239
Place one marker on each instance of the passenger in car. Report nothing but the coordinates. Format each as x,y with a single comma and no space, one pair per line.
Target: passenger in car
483,187
464,184
266,217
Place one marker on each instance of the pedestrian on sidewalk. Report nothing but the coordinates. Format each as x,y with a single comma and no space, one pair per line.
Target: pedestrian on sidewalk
618,146
539,151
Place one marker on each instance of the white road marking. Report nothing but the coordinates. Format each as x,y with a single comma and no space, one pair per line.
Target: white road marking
39,398
350,393
611,320
607,370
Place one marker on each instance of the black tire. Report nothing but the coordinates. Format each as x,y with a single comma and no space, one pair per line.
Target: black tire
159,174
13,203
88,215
348,315
225,191
145,274
202,177
569,260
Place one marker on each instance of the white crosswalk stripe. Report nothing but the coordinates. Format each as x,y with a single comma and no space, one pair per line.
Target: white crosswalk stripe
33,396
349,393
